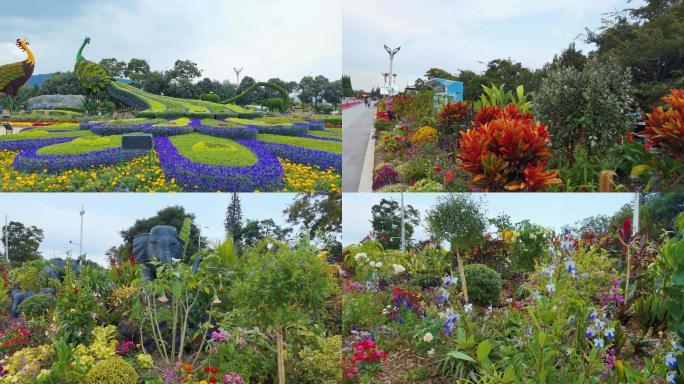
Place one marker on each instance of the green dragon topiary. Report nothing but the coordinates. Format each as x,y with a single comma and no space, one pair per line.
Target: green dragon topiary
283,93
92,76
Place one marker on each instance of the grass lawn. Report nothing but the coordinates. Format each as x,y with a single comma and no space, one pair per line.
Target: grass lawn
42,134
321,145
327,134
180,122
213,150
82,145
221,124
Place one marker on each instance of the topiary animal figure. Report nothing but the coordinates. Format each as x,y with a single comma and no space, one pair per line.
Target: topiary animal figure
113,370
13,76
92,76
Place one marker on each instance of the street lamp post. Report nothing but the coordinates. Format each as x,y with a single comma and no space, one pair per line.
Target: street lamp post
403,227
6,240
199,237
237,74
80,243
391,53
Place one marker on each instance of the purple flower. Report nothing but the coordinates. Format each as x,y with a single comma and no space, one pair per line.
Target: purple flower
306,156
30,161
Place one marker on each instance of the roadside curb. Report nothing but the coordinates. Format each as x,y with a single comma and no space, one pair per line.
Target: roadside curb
366,182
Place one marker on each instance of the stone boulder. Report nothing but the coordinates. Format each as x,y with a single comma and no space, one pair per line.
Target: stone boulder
69,102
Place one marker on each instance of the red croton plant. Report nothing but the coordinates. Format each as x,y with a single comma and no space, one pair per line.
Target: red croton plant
665,126
506,150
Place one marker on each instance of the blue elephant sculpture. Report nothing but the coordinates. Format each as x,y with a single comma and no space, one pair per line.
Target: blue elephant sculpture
58,267
18,297
161,244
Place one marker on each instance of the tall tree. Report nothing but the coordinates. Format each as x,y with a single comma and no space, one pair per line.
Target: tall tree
256,230
113,67
386,221
62,83
433,73
347,89
318,213
23,241
137,69
233,221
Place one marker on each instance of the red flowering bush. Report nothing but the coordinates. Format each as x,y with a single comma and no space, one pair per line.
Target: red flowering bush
384,175
452,116
506,150
665,126
13,337
366,359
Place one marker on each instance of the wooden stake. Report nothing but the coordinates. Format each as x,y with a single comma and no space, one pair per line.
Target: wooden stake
464,285
281,356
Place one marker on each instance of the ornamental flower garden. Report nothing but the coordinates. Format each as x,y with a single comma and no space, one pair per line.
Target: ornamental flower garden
523,304
198,145
512,141
231,314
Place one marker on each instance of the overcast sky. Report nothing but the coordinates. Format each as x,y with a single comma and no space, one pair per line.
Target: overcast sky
548,209
288,39
106,214
459,34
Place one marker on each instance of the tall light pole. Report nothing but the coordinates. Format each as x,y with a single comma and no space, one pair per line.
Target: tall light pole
391,53
80,242
199,237
237,75
635,222
403,227
6,231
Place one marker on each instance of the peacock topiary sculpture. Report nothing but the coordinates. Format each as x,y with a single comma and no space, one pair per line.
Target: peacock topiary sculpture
14,75
92,76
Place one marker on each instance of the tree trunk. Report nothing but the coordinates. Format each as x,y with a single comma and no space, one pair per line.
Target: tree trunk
281,356
464,285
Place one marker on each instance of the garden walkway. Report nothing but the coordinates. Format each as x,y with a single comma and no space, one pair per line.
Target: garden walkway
357,123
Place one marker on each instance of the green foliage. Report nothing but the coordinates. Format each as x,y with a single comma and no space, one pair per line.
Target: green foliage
459,219
589,107
321,364
113,370
290,286
386,221
246,352
347,90
529,245
650,310
497,96
284,96
214,98
29,276
213,150
184,233
24,241
273,104
673,258
37,306
362,311
304,142
484,284
82,145
383,125
74,311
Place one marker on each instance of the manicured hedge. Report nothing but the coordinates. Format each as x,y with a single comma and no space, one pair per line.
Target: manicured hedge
306,156
18,145
30,161
226,130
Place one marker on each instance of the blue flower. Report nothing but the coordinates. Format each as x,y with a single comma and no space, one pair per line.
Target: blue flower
610,333
570,265
598,342
447,280
590,332
593,315
671,360
443,295
671,377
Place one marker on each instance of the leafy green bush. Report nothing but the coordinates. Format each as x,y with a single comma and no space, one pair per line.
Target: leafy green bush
37,305
362,310
589,107
484,284
113,370
274,104
320,365
214,98
75,306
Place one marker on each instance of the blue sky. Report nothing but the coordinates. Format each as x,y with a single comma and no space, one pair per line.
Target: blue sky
459,34
269,38
548,209
106,214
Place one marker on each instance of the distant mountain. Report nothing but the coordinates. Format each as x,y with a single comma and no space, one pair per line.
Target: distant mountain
39,79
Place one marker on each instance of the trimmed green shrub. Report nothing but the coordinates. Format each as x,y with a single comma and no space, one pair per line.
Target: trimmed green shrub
484,284
113,370
214,98
382,125
274,104
37,305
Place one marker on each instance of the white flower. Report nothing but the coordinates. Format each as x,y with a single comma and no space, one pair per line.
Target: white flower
378,264
551,287
361,256
468,307
447,280
533,236
398,269
598,342
431,352
427,337
489,308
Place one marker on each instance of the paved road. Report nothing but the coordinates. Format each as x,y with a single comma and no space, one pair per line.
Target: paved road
357,122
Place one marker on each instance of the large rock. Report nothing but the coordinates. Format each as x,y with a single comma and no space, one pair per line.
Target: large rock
69,102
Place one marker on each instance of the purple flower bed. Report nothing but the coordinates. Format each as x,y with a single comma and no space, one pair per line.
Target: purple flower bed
248,133
295,129
306,156
265,175
321,138
30,161
19,145
316,125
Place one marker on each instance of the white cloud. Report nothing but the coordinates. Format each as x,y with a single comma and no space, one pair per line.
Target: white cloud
270,38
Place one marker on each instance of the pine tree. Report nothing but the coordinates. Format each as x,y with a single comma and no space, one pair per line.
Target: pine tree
233,222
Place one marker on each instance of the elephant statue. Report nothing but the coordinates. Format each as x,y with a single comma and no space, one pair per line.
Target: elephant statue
58,267
161,244
18,297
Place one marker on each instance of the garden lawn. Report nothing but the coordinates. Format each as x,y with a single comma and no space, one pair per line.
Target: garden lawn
326,134
82,145
221,124
321,145
42,134
211,150
180,122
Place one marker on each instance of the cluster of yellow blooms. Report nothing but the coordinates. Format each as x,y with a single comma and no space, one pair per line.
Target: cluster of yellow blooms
135,176
102,346
25,365
305,178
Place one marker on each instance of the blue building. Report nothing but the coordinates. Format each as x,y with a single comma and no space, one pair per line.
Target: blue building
447,91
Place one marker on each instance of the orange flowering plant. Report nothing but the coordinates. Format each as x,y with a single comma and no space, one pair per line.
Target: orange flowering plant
665,126
506,150
453,116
